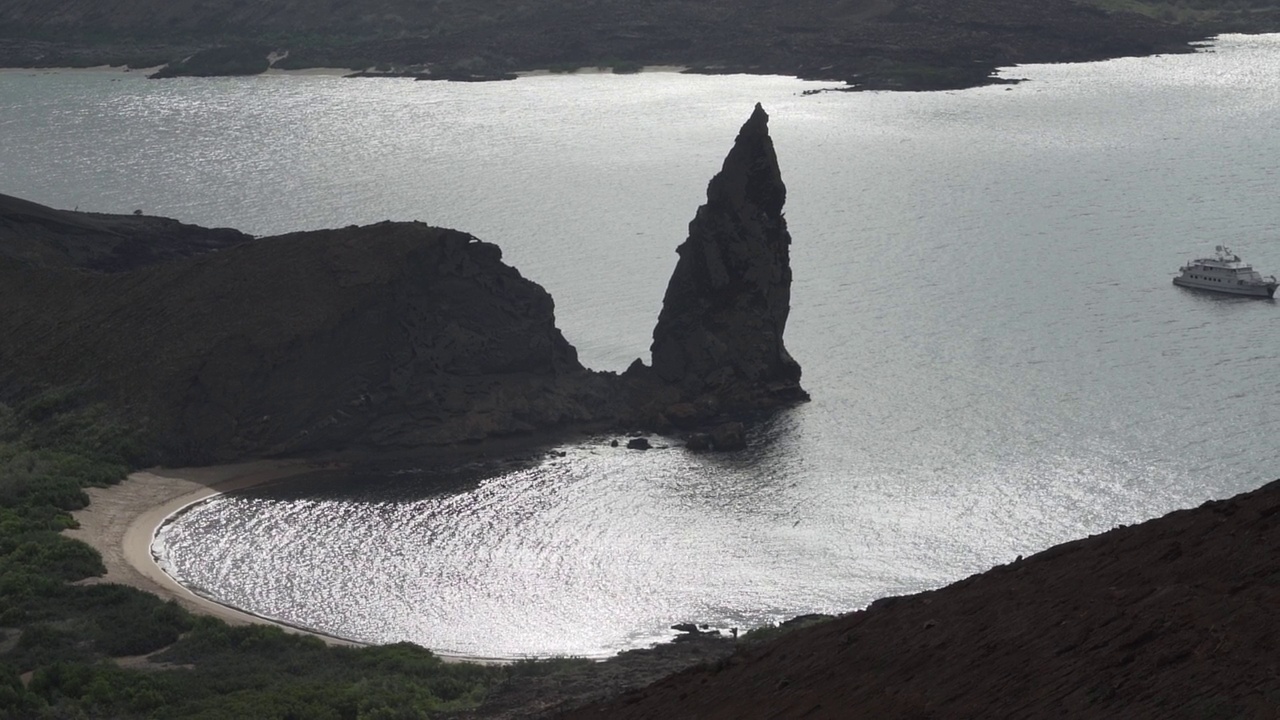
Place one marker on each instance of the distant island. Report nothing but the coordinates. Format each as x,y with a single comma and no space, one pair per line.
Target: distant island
862,44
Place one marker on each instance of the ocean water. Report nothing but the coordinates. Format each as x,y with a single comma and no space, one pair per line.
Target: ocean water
982,307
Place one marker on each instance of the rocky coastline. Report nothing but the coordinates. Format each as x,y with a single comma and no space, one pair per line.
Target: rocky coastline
390,337
858,44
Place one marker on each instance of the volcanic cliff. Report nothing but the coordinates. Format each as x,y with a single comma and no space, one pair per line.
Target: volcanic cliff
393,335
396,335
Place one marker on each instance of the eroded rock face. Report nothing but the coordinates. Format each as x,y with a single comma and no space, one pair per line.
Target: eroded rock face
395,335
720,333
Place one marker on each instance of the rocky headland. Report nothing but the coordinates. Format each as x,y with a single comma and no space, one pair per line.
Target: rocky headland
391,336
864,44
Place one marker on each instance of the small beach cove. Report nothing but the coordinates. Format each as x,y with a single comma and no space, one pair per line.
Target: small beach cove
121,522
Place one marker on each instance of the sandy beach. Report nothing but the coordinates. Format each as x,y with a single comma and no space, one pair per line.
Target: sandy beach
121,521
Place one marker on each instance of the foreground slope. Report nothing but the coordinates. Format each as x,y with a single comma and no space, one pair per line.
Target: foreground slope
1172,618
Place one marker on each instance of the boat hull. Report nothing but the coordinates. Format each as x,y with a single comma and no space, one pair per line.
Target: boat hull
1264,290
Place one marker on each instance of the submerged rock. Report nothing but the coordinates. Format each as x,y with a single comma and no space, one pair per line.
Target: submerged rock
729,436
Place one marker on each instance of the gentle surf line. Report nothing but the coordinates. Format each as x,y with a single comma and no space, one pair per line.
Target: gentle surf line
121,523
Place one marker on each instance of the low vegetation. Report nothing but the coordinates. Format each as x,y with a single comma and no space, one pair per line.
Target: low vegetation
70,646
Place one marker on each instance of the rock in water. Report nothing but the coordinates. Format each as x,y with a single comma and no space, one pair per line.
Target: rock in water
389,336
723,317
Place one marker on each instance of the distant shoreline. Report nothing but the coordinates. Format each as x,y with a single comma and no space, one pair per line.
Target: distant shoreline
892,46
326,71
126,70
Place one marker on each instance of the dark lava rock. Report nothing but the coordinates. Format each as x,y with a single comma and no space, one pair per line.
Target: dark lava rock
395,335
638,444
219,61
465,76
684,415
35,235
726,306
729,436
698,442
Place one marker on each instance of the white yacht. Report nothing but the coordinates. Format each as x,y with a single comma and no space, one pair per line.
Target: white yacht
1226,272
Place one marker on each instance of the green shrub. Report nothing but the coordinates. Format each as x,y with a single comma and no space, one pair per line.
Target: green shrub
43,644
48,553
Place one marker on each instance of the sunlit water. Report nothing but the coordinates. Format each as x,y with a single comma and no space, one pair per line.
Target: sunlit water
982,307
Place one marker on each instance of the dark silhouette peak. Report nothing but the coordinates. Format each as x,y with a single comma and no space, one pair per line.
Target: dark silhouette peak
750,172
723,317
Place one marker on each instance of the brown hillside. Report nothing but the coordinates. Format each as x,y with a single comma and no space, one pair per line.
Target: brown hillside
1173,618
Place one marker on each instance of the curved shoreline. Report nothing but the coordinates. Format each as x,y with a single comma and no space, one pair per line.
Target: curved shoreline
121,521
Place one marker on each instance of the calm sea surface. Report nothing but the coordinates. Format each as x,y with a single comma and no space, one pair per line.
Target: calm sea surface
982,307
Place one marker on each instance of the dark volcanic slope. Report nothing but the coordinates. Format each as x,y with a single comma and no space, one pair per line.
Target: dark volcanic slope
1173,618
37,235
